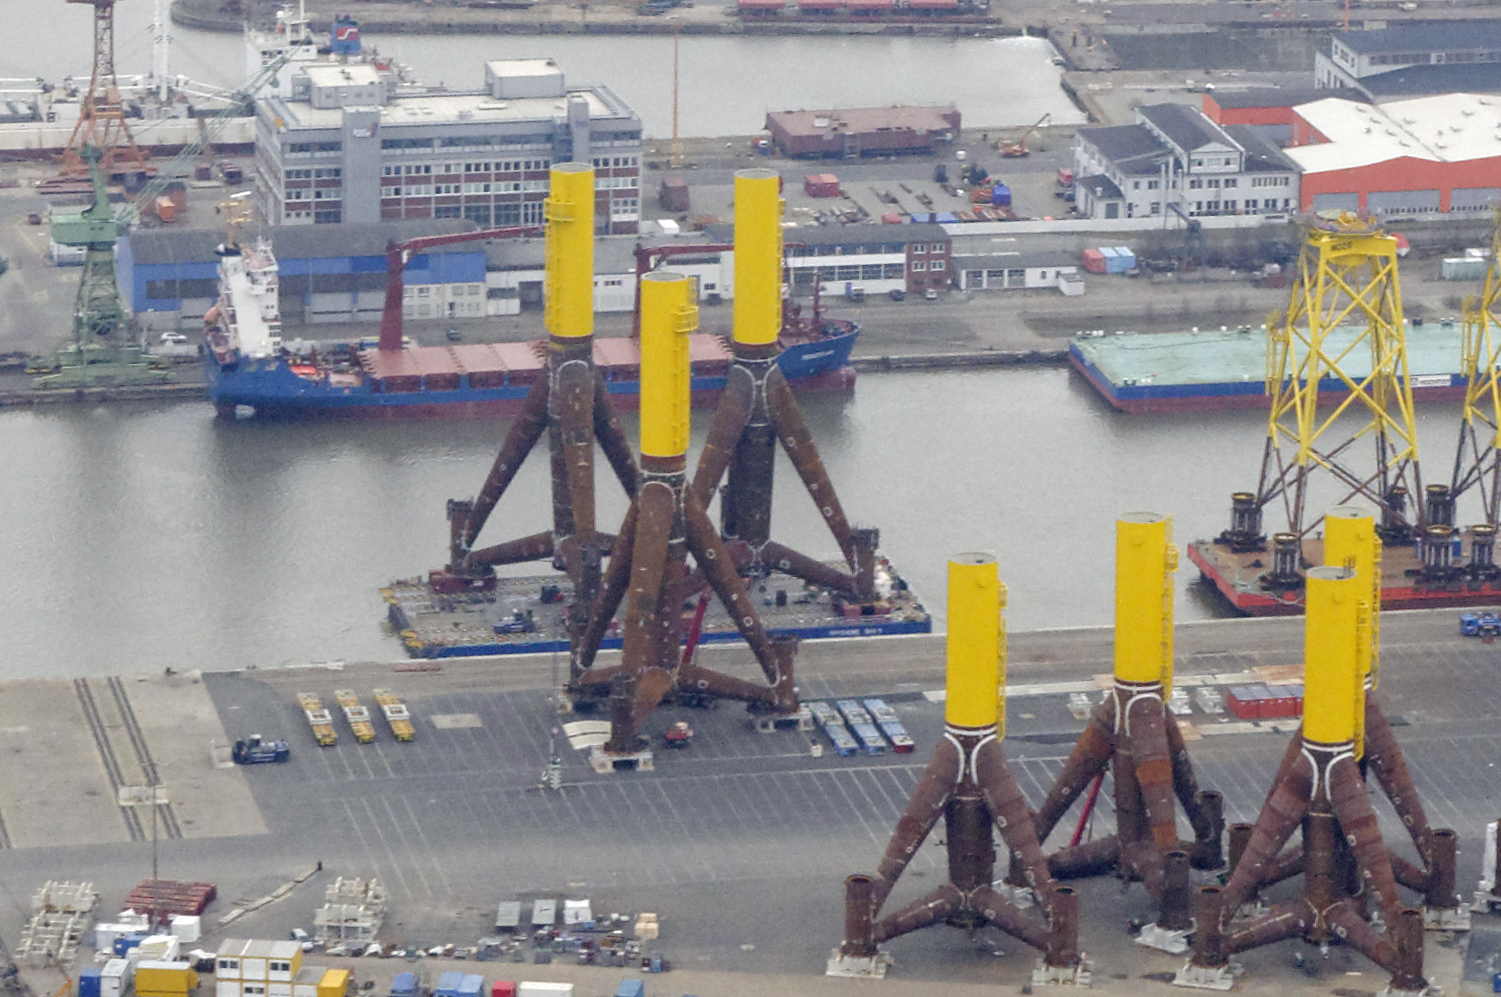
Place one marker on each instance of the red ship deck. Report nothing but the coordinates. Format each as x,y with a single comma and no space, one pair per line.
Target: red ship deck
1236,577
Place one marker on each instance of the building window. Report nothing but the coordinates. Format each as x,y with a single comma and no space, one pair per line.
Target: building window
1195,184
1213,184
531,213
1230,182
1197,163
937,247
1229,205
893,271
919,266
1156,207
1153,184
919,247
936,265
326,217
1136,185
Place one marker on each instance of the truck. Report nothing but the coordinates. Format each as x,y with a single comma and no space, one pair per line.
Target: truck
318,718
356,715
1486,624
255,750
398,717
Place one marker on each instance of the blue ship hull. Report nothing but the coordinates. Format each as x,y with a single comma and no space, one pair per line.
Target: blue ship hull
273,390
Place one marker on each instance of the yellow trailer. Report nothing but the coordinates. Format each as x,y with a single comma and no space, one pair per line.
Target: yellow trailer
320,719
397,715
357,715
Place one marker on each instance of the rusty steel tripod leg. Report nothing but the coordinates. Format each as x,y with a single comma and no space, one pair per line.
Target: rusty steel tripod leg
655,506
1280,816
1384,757
790,562
537,547
612,590
712,555
1004,915
572,408
1093,858
936,906
1154,768
523,435
730,417
925,806
1008,806
612,441
1090,755
1347,794
787,419
704,680
745,507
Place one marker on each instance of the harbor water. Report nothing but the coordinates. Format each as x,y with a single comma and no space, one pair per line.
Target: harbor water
1008,82
141,538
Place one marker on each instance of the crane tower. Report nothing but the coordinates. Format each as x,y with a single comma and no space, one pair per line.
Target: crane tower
101,119
1477,463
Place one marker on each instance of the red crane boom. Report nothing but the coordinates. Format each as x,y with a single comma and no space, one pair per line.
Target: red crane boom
398,254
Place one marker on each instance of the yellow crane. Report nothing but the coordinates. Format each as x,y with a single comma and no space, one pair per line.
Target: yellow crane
356,715
318,718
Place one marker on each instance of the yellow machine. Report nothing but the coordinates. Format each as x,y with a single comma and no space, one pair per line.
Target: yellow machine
668,316
1145,559
398,718
758,257
318,718
356,715
1333,690
569,210
976,679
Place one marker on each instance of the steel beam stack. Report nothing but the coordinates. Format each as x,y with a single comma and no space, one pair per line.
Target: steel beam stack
969,785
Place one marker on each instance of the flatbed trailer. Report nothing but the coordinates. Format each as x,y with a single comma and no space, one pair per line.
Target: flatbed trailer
398,717
356,715
318,718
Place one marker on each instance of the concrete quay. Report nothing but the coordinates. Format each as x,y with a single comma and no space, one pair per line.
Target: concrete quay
739,843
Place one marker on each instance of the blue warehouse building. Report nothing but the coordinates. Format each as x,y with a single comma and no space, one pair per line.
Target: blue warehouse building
329,273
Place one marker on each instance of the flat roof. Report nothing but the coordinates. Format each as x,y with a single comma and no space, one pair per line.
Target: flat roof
1429,36
522,67
291,242
327,74
1414,81
1446,128
460,107
991,261
864,119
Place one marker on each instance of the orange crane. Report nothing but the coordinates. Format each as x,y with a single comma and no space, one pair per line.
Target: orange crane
1013,150
399,254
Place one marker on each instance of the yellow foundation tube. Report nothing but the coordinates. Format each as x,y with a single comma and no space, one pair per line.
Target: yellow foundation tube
976,642
569,211
758,257
1351,541
1332,686
1145,560
667,317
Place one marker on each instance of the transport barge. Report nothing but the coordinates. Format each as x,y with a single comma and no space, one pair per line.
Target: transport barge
524,615
1151,373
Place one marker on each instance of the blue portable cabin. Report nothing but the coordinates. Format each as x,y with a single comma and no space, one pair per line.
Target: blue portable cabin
405,985
448,985
89,981
472,985
631,988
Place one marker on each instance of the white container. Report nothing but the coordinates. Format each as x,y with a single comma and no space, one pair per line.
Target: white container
186,927
105,935
114,979
529,989
138,922
158,948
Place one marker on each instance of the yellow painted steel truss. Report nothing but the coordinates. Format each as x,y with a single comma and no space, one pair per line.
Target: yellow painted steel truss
1346,277
1477,464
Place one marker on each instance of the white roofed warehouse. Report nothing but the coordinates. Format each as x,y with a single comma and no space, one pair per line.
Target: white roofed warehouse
1425,156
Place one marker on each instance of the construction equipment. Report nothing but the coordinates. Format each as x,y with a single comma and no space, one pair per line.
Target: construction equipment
399,254
1017,149
398,718
356,715
254,750
1477,463
318,718
101,117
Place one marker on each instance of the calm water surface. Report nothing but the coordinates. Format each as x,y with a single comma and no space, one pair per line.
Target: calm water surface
138,539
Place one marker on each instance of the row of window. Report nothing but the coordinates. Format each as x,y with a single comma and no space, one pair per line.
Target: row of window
614,162
933,265
313,148
866,271
870,249
1199,162
918,248
615,183
323,173
1271,181
428,169
302,194
499,215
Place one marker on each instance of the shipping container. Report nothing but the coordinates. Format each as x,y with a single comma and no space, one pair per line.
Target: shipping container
473,985
125,943
631,988
335,983
508,915
821,185
405,985
1463,268
1094,261
89,982
115,979
1123,259
164,979
503,988
1000,196
448,984
527,988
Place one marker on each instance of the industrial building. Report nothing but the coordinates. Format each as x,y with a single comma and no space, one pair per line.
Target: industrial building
352,144
1424,156
1018,271
873,259
1176,159
856,132
1269,109
1418,59
333,273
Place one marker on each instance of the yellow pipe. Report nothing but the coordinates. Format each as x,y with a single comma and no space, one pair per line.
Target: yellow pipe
1332,668
1351,541
758,257
975,643
667,317
1145,560
569,210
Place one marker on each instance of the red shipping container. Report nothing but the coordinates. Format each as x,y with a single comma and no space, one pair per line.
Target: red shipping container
1282,702
821,185
1094,261
503,988
1244,702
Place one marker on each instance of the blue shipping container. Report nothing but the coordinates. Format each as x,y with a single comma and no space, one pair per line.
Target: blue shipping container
125,943
1000,196
630,988
1124,260
405,985
88,982
473,985
448,985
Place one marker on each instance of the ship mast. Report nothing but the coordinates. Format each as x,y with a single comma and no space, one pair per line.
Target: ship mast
161,42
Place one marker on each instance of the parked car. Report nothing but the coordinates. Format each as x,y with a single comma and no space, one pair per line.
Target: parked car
897,294
930,295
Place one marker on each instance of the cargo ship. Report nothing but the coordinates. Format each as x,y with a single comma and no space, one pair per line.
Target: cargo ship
525,615
251,371
1151,373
